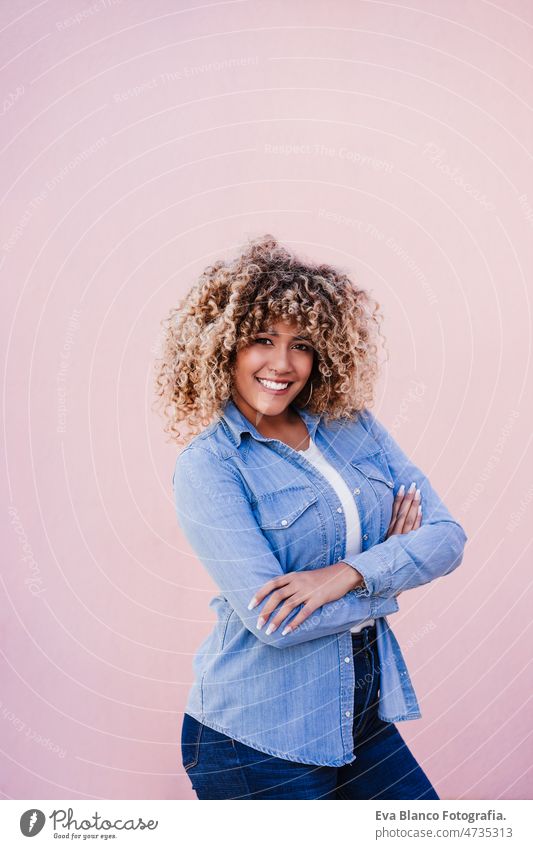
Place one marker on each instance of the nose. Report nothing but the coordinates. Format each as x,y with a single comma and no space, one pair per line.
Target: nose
280,360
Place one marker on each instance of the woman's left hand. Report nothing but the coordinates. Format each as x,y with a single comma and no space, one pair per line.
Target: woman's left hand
311,588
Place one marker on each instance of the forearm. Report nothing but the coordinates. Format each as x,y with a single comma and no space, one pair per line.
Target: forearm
218,523
356,583
405,561
332,618
347,577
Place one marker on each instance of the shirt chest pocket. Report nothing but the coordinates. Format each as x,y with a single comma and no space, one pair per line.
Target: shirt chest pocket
378,484
291,520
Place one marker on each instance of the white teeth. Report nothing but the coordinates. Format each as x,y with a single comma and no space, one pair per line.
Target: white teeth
270,384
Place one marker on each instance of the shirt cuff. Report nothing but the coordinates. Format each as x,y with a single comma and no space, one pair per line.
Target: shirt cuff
383,606
375,570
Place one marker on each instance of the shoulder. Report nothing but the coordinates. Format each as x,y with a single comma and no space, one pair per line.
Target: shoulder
369,435
360,422
204,467
213,440
367,419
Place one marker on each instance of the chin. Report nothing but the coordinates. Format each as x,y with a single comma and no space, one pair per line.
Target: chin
266,403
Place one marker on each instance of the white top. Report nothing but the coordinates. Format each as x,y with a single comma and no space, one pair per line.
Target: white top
353,525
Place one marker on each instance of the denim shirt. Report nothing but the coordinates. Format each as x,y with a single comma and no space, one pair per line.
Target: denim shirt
253,508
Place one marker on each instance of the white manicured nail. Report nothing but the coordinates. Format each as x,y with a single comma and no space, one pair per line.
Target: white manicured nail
401,490
271,628
412,487
260,623
286,630
417,495
419,510
252,603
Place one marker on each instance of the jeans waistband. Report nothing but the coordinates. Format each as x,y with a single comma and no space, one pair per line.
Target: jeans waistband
364,638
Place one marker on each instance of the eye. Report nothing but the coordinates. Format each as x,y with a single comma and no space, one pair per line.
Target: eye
300,345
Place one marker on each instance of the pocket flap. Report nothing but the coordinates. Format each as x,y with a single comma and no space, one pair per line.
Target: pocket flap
281,508
374,466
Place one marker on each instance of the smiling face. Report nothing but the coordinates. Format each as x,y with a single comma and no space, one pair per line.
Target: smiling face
271,371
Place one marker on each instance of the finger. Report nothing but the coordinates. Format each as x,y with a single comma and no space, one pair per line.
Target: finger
393,527
397,502
418,520
412,513
397,513
306,611
406,506
281,614
267,588
402,513
276,598
404,522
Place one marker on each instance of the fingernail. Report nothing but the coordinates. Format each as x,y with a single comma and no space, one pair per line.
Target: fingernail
419,510
271,628
401,490
412,487
260,623
417,495
286,630
252,603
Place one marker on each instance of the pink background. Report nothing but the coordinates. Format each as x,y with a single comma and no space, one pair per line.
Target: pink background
141,142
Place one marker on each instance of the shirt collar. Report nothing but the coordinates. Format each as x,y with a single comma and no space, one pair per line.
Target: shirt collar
239,424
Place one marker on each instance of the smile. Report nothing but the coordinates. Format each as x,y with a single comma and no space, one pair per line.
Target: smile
274,385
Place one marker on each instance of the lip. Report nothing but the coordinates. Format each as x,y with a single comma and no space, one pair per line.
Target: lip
275,391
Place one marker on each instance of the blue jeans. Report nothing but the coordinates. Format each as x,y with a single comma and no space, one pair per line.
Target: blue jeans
222,768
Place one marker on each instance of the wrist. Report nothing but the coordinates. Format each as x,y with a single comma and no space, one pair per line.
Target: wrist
353,577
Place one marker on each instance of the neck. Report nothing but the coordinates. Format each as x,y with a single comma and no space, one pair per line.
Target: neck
267,425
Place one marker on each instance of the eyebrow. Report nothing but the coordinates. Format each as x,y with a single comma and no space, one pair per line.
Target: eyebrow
275,333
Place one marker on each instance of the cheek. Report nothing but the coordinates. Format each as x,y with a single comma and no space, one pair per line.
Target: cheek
309,366
248,363
304,368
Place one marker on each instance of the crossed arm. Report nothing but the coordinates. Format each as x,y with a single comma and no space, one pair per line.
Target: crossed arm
216,518
314,588
409,560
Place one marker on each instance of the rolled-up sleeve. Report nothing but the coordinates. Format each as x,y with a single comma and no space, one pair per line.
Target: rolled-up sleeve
217,520
404,561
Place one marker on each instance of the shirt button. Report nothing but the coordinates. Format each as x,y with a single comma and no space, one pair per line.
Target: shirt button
365,536
346,659
284,521
348,713
356,491
339,509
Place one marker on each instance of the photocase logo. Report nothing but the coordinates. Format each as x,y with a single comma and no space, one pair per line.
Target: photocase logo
65,825
32,822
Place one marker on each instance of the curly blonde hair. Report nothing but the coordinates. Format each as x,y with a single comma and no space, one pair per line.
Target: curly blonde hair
232,301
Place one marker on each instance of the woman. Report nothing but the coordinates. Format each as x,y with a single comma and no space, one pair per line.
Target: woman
286,492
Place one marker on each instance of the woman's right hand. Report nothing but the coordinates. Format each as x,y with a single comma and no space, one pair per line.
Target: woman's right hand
405,513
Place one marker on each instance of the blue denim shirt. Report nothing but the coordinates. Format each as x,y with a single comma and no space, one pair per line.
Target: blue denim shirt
253,508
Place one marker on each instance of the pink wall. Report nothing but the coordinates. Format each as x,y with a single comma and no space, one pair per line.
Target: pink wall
144,140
